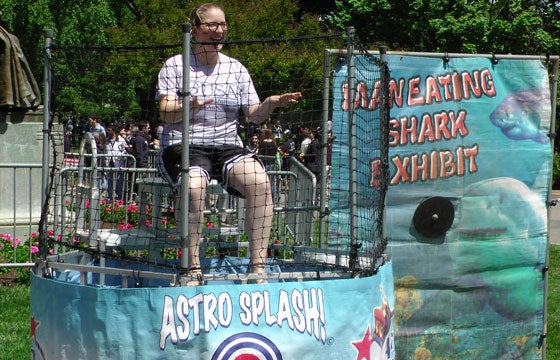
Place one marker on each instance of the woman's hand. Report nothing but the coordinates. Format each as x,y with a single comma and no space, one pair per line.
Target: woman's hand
259,112
170,107
285,99
195,103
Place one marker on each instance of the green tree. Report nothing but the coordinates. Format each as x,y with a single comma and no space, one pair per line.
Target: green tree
72,22
477,26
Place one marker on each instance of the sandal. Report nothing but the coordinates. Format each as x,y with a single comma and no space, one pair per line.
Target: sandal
198,281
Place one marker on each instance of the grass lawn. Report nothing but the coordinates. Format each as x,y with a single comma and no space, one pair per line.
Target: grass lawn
15,316
553,321
15,319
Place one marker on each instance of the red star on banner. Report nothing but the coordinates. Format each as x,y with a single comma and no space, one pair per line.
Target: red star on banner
34,326
364,346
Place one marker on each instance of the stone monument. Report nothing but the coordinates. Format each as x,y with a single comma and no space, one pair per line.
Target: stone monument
21,139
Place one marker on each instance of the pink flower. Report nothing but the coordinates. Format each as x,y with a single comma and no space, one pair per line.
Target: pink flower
132,208
119,202
34,249
50,232
148,222
125,226
108,209
34,234
67,201
87,204
103,202
209,225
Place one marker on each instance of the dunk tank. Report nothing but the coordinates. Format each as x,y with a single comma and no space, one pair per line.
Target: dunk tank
424,235
113,281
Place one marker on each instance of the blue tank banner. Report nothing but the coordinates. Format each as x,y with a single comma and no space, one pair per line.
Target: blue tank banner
325,319
466,216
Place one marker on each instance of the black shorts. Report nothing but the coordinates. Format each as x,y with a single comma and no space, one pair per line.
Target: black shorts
213,161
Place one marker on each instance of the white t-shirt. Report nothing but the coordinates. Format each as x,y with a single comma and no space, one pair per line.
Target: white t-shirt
116,148
228,83
304,145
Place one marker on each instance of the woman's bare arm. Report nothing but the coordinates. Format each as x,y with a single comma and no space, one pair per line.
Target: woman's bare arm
259,112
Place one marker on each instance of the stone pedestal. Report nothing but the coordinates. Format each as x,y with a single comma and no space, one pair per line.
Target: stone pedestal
21,152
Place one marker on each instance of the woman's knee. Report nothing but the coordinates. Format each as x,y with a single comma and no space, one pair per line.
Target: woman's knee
197,186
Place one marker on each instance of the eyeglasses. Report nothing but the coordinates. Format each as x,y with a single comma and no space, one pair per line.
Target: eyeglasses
213,26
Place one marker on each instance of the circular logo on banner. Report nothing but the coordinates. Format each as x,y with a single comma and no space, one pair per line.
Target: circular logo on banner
247,346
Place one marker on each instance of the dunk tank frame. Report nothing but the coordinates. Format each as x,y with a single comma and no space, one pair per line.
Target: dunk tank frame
120,260
305,246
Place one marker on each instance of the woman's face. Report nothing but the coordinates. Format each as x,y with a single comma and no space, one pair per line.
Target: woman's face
212,29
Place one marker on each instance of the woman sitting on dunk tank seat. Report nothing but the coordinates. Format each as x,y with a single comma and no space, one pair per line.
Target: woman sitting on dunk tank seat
219,87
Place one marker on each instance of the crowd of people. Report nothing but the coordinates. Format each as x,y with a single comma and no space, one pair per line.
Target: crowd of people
122,144
121,139
276,146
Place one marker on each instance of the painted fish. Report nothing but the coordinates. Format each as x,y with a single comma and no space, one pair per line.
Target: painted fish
521,114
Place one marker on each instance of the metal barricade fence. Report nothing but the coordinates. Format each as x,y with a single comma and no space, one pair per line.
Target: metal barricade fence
20,186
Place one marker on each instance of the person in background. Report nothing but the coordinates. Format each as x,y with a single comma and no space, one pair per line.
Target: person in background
141,144
115,147
312,156
254,144
297,132
129,157
312,159
303,146
251,129
220,87
277,128
69,131
125,134
95,125
101,147
159,130
268,151
288,150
